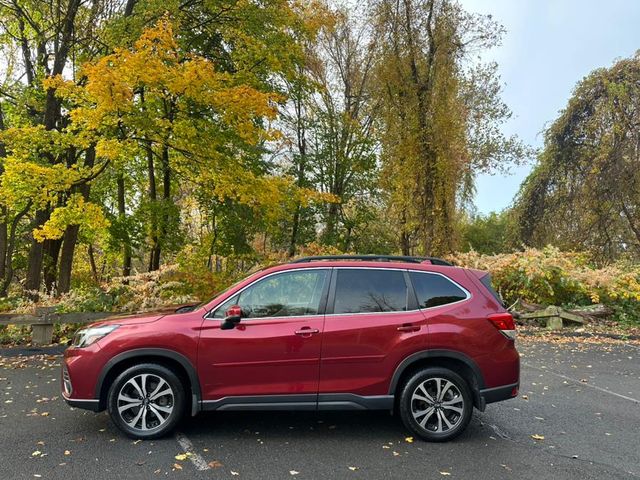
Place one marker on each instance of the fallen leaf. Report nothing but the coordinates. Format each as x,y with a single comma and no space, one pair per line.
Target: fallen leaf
234,473
293,472
409,439
183,456
214,464
535,436
177,466
36,453
67,452
353,469
446,474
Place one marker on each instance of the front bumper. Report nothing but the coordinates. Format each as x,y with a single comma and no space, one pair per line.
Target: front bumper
86,404
76,390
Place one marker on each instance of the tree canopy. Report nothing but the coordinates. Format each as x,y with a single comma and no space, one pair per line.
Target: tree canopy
209,133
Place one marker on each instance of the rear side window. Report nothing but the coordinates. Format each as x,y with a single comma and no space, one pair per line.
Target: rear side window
434,290
370,290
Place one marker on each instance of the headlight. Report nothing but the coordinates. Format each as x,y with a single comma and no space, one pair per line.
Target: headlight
86,336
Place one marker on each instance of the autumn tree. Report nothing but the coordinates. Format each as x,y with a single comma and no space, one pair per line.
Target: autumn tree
584,192
440,115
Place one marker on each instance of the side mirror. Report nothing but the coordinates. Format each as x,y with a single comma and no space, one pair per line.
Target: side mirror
232,318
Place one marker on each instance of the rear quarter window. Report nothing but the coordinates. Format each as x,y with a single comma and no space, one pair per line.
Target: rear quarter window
486,281
434,290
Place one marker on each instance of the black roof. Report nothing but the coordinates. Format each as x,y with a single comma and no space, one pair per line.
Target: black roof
376,258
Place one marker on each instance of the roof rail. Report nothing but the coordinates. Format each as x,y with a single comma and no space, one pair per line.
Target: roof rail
376,258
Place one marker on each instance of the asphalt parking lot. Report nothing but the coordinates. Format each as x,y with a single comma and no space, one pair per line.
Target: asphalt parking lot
578,417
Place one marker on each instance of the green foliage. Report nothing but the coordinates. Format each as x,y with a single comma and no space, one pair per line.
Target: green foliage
486,234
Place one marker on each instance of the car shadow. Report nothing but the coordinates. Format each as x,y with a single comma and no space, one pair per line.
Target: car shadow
280,425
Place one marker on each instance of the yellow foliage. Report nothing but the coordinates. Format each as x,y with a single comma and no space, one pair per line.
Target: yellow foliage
77,211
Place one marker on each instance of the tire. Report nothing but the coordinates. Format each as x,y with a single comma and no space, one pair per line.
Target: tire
433,418
146,401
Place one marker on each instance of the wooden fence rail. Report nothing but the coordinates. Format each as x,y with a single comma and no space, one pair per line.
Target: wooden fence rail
43,319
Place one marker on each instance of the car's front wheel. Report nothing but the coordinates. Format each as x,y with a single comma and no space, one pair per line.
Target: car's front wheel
146,401
435,404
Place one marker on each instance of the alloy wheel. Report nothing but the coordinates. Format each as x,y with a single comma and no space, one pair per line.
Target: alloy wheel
145,401
437,405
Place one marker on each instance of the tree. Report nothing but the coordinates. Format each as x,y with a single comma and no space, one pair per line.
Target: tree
439,116
585,189
486,234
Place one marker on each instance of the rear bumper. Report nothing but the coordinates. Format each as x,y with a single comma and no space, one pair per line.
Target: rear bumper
498,394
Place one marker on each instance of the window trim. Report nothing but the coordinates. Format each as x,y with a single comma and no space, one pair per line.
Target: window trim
468,294
412,301
321,307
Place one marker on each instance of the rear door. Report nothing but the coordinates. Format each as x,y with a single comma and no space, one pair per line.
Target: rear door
372,323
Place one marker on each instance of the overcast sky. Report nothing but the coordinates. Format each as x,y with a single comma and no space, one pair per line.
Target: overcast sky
549,46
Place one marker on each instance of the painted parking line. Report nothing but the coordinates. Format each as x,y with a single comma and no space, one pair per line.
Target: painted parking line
582,384
194,456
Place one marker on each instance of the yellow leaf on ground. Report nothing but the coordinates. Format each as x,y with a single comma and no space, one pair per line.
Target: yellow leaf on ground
535,436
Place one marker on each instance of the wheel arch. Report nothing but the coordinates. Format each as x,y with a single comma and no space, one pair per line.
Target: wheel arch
180,364
451,359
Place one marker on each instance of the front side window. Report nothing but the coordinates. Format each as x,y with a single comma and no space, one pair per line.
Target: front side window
434,290
370,290
286,294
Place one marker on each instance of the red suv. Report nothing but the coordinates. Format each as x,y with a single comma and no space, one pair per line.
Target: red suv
413,335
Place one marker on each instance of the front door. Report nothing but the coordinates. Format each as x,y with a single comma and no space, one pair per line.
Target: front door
275,349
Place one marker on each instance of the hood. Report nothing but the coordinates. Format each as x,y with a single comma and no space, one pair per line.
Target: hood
137,318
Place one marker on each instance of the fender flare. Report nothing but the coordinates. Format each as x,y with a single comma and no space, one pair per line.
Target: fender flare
155,352
411,359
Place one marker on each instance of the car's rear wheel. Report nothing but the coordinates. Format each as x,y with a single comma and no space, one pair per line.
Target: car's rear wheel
435,404
146,401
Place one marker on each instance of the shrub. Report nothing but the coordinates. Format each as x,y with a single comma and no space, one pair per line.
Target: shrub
552,277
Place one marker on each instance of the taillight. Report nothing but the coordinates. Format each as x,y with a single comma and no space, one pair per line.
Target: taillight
504,323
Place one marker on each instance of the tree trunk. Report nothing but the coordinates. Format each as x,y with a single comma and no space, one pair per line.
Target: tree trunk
294,231
50,264
3,209
36,255
8,274
122,213
154,258
71,233
92,263
165,218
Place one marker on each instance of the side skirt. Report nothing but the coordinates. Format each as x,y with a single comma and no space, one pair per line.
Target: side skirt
307,402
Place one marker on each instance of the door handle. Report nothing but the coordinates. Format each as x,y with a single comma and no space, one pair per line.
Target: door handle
408,327
307,331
